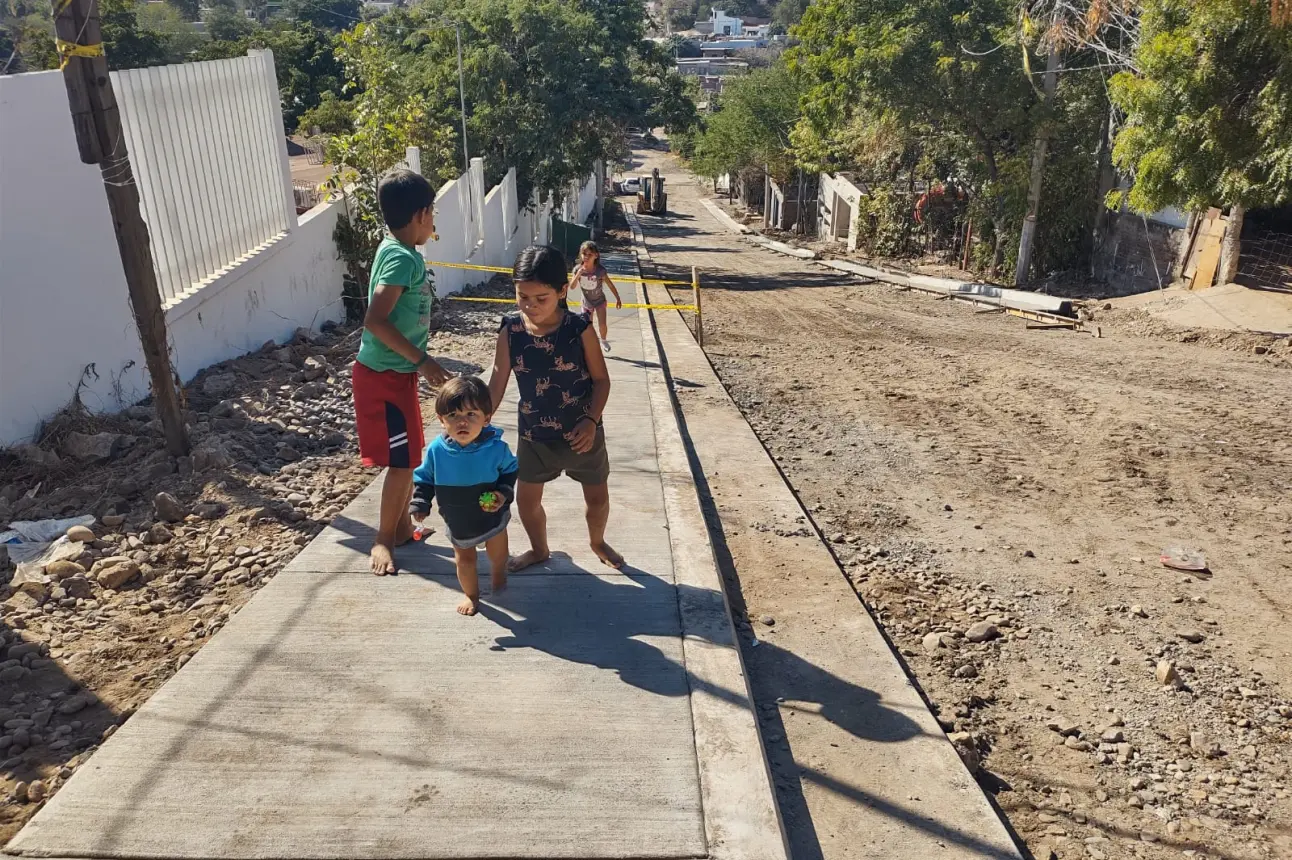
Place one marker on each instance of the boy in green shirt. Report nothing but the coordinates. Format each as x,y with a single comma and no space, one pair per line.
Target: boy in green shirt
392,356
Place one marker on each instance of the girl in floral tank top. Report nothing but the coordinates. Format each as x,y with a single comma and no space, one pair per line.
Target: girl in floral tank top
564,386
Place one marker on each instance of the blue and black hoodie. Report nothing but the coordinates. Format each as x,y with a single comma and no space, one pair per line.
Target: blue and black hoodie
459,475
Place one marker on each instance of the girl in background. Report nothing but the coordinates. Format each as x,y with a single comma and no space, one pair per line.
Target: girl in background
592,279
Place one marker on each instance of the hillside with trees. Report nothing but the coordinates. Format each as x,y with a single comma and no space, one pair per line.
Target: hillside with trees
1037,116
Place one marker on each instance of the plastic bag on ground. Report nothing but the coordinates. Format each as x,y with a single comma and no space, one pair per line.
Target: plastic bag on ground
1182,558
27,540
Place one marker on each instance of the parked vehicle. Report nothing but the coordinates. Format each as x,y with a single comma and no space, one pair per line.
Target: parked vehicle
631,185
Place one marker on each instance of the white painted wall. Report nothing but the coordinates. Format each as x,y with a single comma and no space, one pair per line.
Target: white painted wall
837,191
587,200
63,301
724,24
293,283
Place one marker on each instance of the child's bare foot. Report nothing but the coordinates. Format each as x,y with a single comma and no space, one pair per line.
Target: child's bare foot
608,556
381,560
529,558
469,606
498,581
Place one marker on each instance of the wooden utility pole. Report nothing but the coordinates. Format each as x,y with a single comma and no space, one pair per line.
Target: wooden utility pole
100,139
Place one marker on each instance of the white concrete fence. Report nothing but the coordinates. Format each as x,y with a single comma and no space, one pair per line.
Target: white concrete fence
236,267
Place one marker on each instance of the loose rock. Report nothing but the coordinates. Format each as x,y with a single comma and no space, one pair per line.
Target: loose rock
37,456
1166,673
62,569
98,448
219,384
116,575
169,508
81,534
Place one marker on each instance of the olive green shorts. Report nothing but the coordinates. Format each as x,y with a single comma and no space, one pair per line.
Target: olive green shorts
542,462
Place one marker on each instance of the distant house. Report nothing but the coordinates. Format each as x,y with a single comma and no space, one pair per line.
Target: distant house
703,66
722,47
721,24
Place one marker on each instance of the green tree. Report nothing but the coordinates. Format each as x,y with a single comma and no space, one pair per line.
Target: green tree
550,84
332,115
225,25
788,13
335,15
1209,112
752,127
30,34
189,10
682,47
178,37
129,45
389,116
663,98
946,67
305,60
678,14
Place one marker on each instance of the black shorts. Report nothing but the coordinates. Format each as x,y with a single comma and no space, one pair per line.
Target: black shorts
542,462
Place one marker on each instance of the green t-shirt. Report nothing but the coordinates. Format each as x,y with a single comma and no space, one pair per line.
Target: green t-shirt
398,265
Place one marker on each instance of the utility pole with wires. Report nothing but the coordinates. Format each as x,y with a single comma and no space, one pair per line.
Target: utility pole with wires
99,137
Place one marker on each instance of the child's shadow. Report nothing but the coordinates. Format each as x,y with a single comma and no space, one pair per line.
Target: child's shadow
595,620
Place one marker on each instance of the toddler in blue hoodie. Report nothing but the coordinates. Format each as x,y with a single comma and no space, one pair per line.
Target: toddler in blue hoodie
472,472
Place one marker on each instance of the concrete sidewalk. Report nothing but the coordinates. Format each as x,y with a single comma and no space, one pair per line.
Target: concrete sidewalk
586,713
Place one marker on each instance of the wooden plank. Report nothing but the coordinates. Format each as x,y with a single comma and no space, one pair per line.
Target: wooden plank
1208,225
1208,261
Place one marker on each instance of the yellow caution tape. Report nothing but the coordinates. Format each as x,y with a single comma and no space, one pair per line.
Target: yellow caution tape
430,263
67,50
433,263
575,304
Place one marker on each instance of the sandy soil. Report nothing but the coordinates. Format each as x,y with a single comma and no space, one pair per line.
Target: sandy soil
970,473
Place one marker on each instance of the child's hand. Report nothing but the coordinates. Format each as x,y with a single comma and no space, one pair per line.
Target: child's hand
584,436
491,503
434,374
418,516
619,304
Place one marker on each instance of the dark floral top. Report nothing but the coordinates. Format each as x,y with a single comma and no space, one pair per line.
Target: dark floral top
552,375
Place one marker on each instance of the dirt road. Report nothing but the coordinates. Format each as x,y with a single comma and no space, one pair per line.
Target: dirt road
999,498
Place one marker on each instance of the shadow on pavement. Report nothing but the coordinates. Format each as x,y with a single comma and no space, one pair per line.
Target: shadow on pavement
781,680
